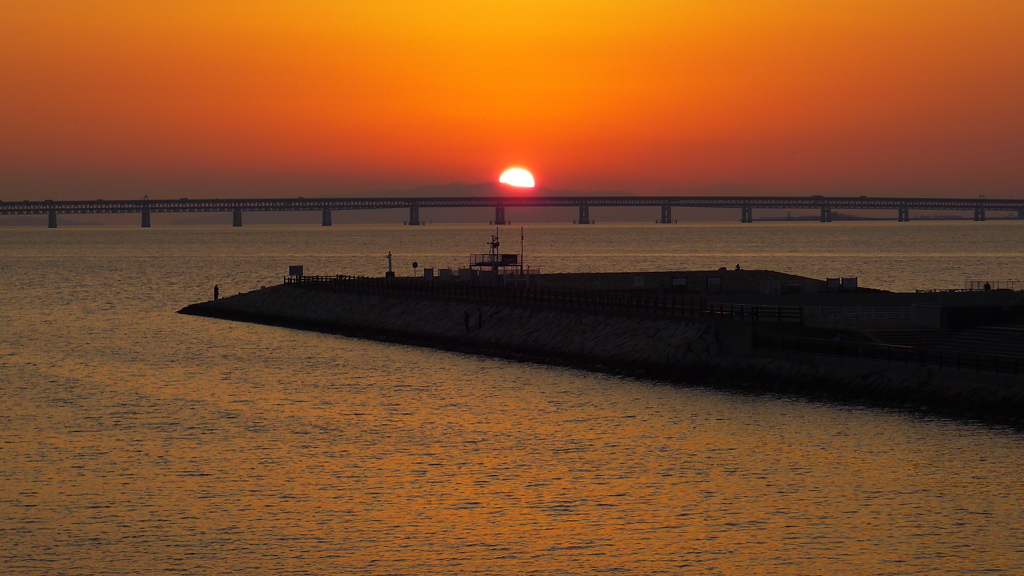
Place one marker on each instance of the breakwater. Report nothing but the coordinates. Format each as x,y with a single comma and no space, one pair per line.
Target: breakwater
705,349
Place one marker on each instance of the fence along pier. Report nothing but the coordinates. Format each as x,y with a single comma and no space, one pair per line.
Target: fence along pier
568,300
683,308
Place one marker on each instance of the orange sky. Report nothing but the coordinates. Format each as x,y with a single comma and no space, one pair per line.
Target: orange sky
285,97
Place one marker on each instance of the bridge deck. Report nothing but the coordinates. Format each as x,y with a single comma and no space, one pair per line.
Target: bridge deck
320,204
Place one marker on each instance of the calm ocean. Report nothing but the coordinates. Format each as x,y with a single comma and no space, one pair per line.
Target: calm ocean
134,440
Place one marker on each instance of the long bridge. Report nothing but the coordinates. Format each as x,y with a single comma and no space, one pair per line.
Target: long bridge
745,204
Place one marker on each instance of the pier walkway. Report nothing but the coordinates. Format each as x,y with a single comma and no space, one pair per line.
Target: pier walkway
661,306
645,305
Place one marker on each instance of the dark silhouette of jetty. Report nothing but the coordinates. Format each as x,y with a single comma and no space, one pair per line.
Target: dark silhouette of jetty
958,352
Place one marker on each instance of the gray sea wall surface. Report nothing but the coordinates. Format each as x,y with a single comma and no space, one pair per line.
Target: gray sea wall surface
694,352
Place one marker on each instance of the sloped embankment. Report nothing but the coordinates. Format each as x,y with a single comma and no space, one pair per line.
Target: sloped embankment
570,338
695,352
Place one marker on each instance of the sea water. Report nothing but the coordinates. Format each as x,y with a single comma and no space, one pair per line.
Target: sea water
135,440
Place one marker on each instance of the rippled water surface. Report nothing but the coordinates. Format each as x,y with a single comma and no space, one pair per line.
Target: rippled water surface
135,440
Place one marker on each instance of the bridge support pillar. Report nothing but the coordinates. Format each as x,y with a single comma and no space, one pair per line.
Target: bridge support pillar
584,215
746,214
903,215
325,218
146,222
666,214
52,220
826,213
236,218
414,215
979,214
499,216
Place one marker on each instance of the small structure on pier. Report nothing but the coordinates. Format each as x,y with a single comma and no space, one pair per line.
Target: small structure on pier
499,268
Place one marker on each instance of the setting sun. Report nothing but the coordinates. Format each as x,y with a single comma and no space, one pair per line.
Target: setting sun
517,177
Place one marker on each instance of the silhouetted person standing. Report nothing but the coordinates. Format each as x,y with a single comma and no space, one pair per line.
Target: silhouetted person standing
216,291
466,318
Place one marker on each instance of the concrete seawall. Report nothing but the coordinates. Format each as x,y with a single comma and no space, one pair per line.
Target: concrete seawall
694,352
578,337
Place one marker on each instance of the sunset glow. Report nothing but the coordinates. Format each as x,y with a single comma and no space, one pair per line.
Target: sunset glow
512,287
517,177
215,98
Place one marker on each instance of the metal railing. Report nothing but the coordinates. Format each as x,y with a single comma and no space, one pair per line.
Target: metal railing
858,312
856,316
908,355
573,300
983,285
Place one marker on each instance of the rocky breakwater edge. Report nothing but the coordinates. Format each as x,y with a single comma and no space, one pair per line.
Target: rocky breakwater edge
693,352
